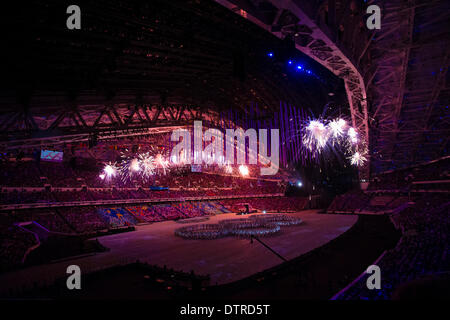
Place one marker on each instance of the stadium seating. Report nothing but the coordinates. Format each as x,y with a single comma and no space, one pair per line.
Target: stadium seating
359,202
84,219
63,175
144,213
404,179
117,217
277,204
422,250
14,244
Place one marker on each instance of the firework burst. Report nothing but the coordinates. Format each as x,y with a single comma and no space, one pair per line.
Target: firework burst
334,135
358,158
315,136
109,171
337,127
128,169
353,135
162,163
147,164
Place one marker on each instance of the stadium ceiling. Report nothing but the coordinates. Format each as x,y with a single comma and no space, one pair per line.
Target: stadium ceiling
409,90
291,19
403,67
138,68
111,121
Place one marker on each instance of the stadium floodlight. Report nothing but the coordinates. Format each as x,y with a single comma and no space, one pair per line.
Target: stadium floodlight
299,184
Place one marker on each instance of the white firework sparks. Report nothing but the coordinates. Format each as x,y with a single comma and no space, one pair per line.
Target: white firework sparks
358,159
129,169
142,166
243,170
337,127
353,135
109,171
315,136
338,136
134,165
162,163
147,165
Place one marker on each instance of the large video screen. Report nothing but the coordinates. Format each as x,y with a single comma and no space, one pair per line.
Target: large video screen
49,155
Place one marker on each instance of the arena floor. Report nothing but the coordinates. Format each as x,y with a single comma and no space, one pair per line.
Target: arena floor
225,260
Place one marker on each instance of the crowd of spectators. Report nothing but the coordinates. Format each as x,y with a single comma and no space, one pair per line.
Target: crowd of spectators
21,196
50,219
168,212
117,217
404,179
360,202
14,244
145,213
92,220
54,196
272,204
422,250
30,173
39,182
349,202
392,189
28,181
211,207
189,209
84,219
20,173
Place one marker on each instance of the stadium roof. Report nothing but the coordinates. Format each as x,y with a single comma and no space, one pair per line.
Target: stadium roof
159,64
137,66
403,67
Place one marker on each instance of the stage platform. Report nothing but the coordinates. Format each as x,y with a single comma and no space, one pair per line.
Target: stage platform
225,260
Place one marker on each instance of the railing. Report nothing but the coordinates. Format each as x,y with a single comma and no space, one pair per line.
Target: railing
19,225
351,284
